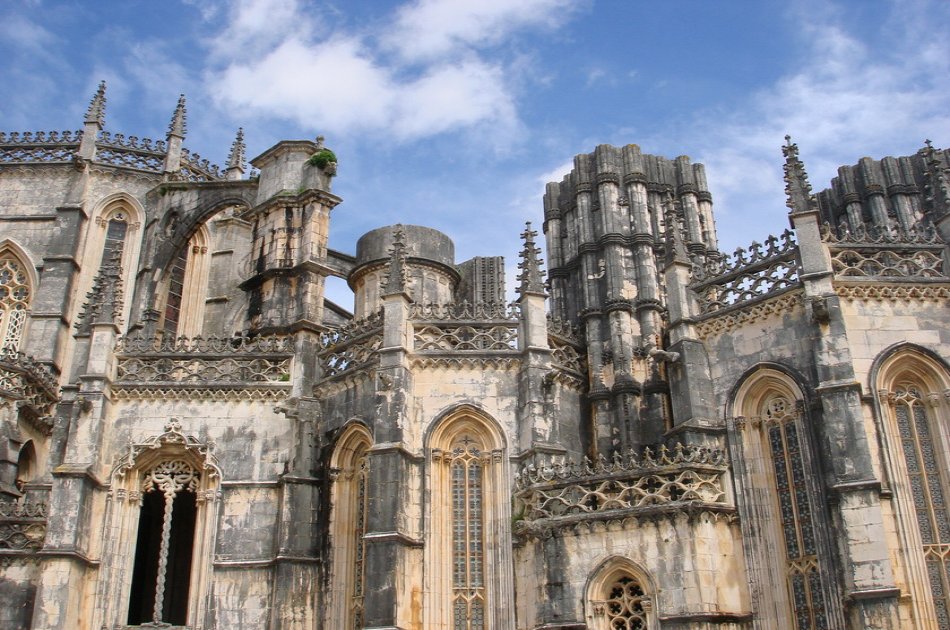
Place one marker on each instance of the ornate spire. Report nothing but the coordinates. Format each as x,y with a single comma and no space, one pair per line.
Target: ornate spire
104,301
236,157
396,281
531,276
938,180
675,245
797,188
96,114
178,126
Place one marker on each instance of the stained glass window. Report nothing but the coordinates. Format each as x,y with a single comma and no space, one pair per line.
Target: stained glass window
796,514
14,301
624,605
928,493
468,583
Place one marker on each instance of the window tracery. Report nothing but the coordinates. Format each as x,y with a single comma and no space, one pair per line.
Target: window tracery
624,606
468,576
351,468
15,294
797,519
916,412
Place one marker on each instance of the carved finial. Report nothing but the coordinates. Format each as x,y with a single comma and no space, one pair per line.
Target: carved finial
96,113
395,281
177,127
531,276
320,141
797,188
938,180
104,301
675,244
236,157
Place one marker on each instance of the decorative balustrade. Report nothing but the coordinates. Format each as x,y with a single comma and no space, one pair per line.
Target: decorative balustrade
567,350
465,327
54,147
628,483
114,149
752,274
22,525
212,361
30,383
351,347
890,254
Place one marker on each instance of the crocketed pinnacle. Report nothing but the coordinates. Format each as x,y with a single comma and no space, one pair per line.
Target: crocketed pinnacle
104,301
396,277
531,277
797,188
938,179
178,123
675,245
97,107
236,157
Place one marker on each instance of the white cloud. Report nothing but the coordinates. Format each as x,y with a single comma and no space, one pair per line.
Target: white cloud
428,29
844,101
271,59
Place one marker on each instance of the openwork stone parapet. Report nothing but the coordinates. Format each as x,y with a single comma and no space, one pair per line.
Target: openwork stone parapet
465,311
894,292
657,483
220,362
774,248
30,384
876,235
22,525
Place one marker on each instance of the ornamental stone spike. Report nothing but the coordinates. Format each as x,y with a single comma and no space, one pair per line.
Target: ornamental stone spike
396,277
97,107
237,160
675,246
176,133
531,276
94,122
797,188
104,301
178,126
938,180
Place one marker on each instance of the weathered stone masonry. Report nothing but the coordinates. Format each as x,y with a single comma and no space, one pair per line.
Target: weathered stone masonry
656,435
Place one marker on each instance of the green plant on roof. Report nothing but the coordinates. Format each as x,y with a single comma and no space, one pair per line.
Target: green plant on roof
322,157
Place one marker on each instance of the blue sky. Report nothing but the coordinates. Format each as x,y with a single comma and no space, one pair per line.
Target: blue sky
454,114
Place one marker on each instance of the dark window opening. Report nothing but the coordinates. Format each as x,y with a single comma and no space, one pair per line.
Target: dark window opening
148,553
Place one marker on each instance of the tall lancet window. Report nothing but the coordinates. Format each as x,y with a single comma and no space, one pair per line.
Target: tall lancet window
15,294
468,539
795,512
922,457
350,465
777,475
915,397
468,556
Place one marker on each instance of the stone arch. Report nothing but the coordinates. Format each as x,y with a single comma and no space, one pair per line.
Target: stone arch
163,250
912,410
27,466
620,594
18,284
469,510
170,463
349,469
776,474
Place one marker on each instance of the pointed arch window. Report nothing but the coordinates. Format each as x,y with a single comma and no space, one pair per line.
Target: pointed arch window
15,295
469,554
795,512
789,544
468,544
915,397
350,465
186,285
922,457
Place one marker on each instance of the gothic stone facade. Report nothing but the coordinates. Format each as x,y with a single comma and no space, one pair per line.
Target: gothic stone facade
656,436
